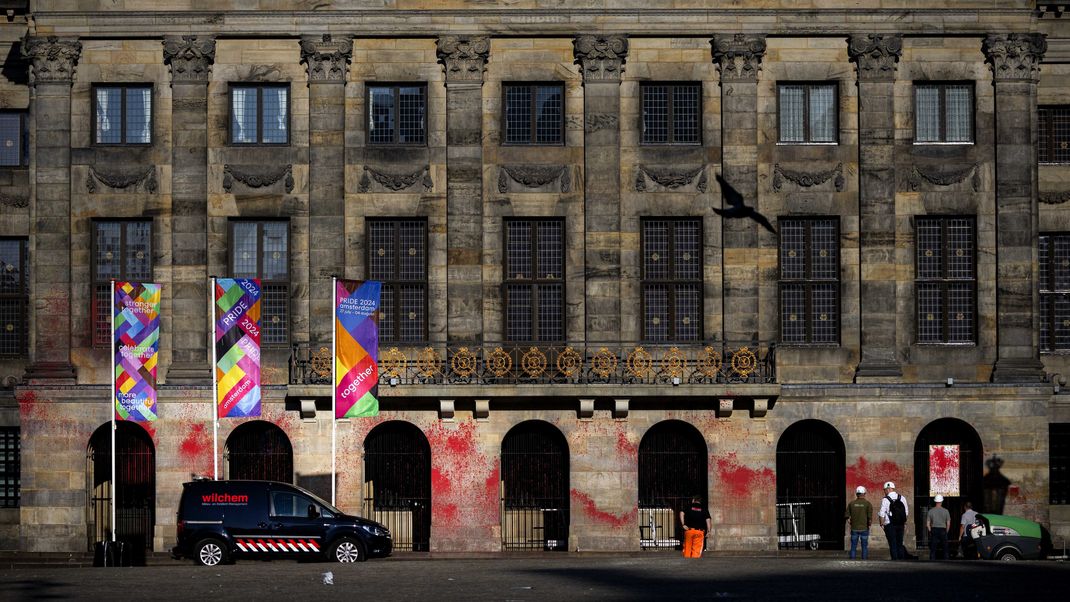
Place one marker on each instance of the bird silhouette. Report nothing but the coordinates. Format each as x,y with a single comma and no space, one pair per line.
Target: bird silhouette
738,208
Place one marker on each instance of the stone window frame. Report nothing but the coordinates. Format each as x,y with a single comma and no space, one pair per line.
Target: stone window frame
103,297
944,281
808,282
259,85
1059,463
1047,136
534,283
395,86
1048,291
944,85
122,86
397,281
24,138
673,86
504,117
808,84
672,283
10,470
19,299
283,284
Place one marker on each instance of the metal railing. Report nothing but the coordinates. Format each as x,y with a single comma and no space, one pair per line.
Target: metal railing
492,363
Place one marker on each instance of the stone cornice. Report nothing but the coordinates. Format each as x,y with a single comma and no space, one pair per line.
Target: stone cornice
1015,56
738,56
53,59
463,57
876,55
327,57
189,57
601,58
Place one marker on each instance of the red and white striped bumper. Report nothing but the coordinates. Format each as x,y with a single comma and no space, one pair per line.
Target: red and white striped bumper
281,545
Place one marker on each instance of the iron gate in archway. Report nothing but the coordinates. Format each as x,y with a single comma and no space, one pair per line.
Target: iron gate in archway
811,476
397,483
260,451
947,431
534,473
135,499
673,467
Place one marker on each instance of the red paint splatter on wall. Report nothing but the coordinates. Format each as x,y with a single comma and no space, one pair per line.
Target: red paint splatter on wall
150,429
445,516
872,475
440,483
628,519
464,481
196,449
625,447
740,480
27,405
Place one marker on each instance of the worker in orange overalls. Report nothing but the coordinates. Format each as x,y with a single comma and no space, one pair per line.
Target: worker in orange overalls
696,522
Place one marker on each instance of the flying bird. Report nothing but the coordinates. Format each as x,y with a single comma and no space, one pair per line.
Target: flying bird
738,208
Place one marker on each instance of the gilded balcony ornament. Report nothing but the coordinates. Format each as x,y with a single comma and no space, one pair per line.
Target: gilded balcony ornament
392,362
320,362
569,362
674,362
428,361
604,363
744,362
710,362
639,362
499,362
463,362
533,362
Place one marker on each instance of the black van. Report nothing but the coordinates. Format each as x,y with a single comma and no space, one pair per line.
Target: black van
220,520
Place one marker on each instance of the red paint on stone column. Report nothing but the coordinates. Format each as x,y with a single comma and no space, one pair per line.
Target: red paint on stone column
873,475
196,449
628,519
739,480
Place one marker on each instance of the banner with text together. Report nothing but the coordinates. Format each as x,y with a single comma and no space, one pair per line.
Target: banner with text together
356,344
136,336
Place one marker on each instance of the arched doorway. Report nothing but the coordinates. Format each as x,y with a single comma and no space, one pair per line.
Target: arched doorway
673,466
534,488
947,431
259,450
811,476
135,493
397,483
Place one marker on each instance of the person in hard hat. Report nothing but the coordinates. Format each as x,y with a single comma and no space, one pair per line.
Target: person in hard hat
938,521
695,519
860,514
893,515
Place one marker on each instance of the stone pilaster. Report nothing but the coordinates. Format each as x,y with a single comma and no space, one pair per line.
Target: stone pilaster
464,59
328,61
601,61
876,57
53,61
190,59
1015,61
739,59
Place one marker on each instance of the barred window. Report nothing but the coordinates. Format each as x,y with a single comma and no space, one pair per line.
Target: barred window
14,139
10,459
259,114
260,249
1054,284
534,113
946,279
122,113
672,279
1059,463
809,281
807,112
1054,123
943,112
122,251
671,113
397,256
14,297
534,280
397,114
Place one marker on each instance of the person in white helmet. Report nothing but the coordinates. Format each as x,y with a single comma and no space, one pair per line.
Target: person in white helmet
938,521
893,515
860,514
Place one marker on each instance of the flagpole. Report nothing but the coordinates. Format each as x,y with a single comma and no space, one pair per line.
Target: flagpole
114,477
334,388
215,395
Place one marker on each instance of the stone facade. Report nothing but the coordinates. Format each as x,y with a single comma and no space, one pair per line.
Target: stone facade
877,388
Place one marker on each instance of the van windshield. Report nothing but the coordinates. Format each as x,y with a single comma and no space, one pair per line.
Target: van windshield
326,505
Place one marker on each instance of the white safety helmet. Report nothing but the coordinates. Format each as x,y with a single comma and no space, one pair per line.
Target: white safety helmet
938,499
860,490
889,485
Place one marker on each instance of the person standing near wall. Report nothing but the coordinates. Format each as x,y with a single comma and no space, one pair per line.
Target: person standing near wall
860,514
696,522
966,545
938,521
893,515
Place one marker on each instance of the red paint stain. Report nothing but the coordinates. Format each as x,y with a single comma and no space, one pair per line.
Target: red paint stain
445,515
625,448
464,480
440,483
872,475
741,481
151,430
27,405
492,486
628,519
196,447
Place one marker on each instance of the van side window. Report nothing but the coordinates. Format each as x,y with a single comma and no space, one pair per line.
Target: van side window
286,503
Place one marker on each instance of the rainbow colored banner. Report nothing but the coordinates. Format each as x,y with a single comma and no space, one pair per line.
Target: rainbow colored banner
136,336
237,347
356,348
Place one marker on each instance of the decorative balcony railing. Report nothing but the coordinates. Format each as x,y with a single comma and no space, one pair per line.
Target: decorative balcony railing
490,363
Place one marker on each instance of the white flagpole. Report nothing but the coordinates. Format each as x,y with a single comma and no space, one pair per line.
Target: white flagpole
114,477
215,395
334,360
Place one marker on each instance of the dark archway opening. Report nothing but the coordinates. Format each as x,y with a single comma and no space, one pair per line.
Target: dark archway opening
397,483
811,477
135,493
947,431
673,466
535,500
261,451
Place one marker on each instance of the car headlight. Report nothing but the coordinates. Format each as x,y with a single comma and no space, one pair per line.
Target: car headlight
376,530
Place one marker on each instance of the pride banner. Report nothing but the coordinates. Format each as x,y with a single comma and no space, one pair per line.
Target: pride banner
136,337
237,347
356,348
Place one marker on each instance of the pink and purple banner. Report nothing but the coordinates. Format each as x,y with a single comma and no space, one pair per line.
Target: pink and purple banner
136,336
356,344
237,346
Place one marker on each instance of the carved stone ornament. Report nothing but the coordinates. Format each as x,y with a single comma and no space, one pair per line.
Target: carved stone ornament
190,57
671,178
739,56
463,57
395,182
946,177
876,55
534,176
1015,56
14,201
257,176
600,121
601,58
1054,198
120,179
327,59
53,58
807,179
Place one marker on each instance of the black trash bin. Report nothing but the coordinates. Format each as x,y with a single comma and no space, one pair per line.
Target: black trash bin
110,553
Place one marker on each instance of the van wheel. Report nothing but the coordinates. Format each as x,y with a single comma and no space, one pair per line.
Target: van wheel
1008,555
347,550
210,552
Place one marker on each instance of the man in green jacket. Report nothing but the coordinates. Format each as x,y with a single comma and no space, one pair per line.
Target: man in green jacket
860,513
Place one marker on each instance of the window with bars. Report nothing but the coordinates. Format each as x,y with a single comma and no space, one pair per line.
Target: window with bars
1054,143
672,279
397,256
14,139
14,297
946,279
1054,283
122,251
259,113
534,280
1059,463
809,281
943,112
10,460
122,114
807,113
534,113
397,114
260,249
671,113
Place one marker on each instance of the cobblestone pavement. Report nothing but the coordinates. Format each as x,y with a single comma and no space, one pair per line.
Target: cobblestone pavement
558,578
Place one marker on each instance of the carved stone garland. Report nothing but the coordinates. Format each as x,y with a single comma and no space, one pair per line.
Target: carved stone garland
945,177
257,177
534,176
395,182
14,201
600,121
1054,198
807,179
122,179
670,178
